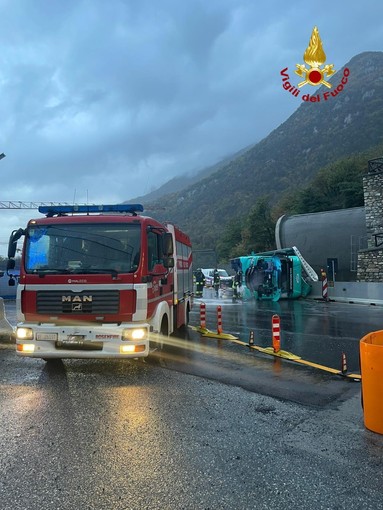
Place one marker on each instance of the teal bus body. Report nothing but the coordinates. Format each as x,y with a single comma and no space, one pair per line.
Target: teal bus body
271,276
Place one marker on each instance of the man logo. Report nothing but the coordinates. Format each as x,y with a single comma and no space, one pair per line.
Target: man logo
76,299
77,303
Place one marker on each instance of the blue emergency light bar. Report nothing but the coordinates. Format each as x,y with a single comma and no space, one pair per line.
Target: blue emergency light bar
51,210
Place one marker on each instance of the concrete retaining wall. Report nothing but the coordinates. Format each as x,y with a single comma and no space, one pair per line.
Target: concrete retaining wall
351,292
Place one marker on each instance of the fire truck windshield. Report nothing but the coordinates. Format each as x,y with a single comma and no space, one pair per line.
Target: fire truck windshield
82,248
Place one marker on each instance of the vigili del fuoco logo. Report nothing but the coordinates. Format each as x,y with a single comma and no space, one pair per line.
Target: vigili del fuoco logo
315,74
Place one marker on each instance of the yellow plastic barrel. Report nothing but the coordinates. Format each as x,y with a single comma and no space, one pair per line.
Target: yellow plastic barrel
371,366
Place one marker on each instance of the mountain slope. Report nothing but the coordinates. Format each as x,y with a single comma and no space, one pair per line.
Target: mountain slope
181,182
315,135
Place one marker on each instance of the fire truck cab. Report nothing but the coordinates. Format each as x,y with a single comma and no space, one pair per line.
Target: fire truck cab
99,281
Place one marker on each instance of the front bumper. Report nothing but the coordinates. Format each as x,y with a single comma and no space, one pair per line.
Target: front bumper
106,341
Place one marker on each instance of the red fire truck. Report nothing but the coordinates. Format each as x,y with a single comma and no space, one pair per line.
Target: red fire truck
99,281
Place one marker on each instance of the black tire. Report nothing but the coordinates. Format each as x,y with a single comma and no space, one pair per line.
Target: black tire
164,332
7,339
184,327
158,345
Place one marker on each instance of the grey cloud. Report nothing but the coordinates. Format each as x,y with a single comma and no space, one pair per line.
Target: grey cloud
114,98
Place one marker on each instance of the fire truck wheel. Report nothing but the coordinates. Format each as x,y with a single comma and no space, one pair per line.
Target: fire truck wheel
164,332
184,327
7,339
159,340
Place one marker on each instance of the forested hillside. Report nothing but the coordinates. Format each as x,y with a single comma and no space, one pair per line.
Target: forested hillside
337,186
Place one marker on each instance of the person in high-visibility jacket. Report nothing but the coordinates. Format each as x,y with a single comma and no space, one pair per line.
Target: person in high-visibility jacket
216,281
199,282
237,282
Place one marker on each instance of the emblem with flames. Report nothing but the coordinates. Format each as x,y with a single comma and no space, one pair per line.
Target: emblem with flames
315,57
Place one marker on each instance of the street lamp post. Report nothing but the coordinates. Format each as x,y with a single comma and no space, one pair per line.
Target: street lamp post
2,155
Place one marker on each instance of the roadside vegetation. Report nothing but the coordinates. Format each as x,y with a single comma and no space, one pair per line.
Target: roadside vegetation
337,186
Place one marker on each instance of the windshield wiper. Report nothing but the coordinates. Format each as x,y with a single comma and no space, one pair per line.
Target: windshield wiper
108,270
78,270
43,272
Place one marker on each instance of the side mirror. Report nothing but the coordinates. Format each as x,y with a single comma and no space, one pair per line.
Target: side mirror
12,245
168,262
11,263
167,244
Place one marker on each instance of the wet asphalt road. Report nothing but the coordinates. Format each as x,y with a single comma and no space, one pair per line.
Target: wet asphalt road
315,330
197,426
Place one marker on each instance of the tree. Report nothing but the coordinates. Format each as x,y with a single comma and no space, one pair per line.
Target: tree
337,186
230,238
258,233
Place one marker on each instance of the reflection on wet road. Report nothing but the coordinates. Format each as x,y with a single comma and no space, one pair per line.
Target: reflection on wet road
314,330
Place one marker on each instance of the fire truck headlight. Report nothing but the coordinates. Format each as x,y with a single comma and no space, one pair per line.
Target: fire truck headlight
131,348
25,347
134,334
24,334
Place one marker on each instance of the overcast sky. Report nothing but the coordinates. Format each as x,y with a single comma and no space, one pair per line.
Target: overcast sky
105,100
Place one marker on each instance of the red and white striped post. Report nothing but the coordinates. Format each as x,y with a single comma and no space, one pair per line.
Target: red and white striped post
276,326
344,364
202,315
219,320
324,285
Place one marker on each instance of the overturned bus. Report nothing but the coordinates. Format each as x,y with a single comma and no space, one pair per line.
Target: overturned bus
274,275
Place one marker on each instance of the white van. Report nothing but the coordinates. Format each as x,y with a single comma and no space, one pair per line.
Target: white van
225,279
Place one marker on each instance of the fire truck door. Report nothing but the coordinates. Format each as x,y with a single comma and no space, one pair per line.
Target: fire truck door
157,287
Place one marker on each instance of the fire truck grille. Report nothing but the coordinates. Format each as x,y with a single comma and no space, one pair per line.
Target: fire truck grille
100,302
